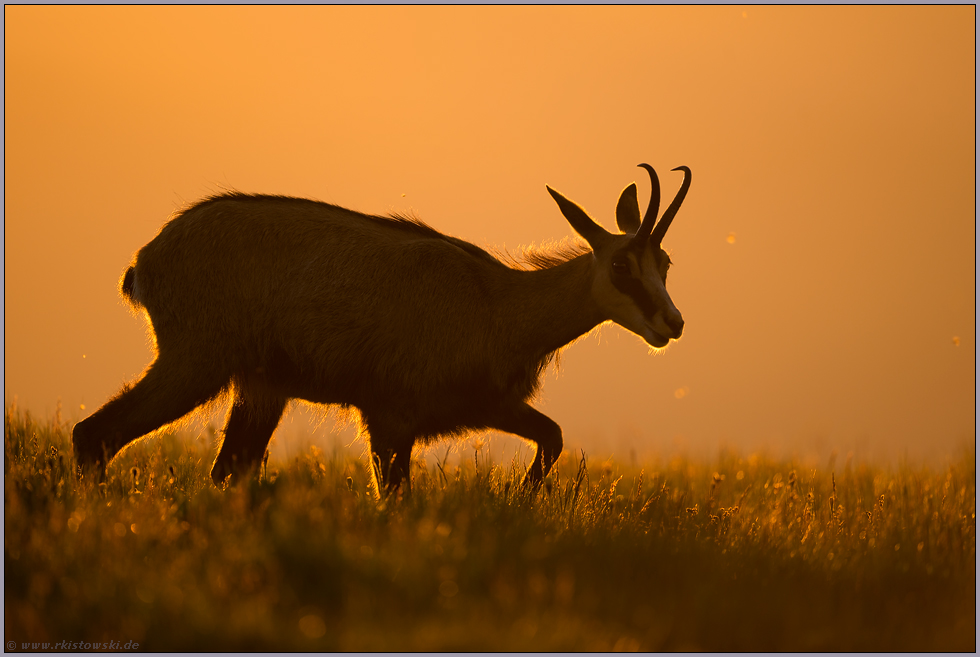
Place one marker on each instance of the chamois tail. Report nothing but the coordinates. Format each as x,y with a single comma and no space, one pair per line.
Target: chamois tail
128,287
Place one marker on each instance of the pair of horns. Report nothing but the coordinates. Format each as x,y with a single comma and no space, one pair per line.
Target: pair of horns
628,213
646,230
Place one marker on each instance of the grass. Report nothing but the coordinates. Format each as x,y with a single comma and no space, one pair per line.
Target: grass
740,553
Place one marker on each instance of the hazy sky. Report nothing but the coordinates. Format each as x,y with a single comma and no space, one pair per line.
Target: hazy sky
824,258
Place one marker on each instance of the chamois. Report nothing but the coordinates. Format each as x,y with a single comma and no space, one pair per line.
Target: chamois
276,298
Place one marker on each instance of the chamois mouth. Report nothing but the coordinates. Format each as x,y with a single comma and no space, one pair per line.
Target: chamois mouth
656,339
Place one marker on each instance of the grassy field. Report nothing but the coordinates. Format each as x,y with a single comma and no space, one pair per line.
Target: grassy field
739,553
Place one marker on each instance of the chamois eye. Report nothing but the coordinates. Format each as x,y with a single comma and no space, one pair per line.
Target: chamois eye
621,267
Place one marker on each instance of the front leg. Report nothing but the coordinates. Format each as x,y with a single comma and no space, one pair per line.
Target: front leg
391,441
526,422
391,467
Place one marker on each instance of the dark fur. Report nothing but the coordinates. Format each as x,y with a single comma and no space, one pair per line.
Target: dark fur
279,298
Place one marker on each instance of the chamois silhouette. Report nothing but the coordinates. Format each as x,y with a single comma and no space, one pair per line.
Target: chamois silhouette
275,298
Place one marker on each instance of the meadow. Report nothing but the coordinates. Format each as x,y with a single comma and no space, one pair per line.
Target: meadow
737,553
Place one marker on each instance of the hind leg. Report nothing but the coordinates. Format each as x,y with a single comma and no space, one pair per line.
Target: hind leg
170,389
251,422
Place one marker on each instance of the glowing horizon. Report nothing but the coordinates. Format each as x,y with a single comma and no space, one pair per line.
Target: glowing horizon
824,257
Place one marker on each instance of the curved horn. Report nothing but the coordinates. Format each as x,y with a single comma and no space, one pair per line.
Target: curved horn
653,209
664,223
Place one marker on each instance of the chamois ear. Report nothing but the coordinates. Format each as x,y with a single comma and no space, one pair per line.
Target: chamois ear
628,211
583,224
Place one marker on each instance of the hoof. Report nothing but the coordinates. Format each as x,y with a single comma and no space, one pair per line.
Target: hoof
220,480
88,452
530,484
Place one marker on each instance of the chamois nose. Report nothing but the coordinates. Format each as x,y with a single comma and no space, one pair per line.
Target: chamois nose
675,324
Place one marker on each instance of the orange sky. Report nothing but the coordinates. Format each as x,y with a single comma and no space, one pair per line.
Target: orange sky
837,144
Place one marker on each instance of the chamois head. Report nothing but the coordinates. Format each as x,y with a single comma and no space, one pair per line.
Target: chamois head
630,285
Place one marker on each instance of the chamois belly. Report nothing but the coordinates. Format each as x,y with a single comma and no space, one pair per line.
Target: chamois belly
426,410
459,406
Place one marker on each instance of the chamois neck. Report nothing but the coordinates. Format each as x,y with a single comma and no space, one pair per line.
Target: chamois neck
553,306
